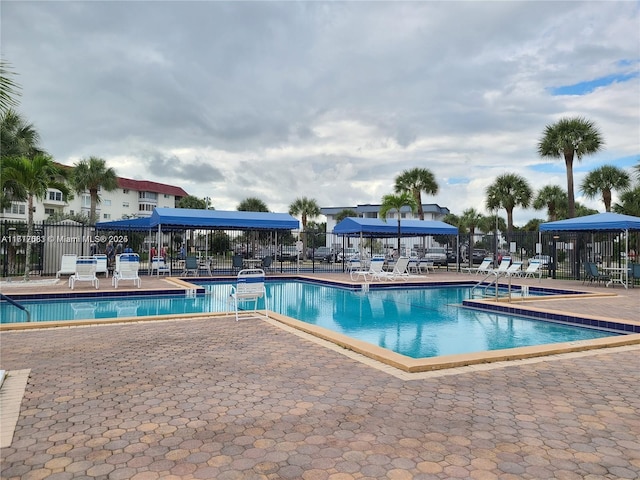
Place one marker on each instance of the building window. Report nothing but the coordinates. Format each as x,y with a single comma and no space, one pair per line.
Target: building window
72,212
16,209
148,195
125,191
106,203
55,196
166,195
106,216
86,201
49,211
403,215
144,207
125,204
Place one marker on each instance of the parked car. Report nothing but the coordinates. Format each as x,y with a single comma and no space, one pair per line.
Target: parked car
437,255
479,255
323,254
348,253
287,253
545,260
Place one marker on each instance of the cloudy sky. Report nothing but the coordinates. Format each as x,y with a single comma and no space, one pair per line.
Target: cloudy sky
279,100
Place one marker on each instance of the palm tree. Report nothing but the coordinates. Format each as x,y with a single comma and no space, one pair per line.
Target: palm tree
36,175
307,208
602,181
396,202
471,219
416,181
509,191
17,139
344,213
93,175
8,88
193,202
551,197
252,204
569,138
629,202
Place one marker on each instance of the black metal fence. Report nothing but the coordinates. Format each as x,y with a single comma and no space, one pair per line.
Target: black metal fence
563,255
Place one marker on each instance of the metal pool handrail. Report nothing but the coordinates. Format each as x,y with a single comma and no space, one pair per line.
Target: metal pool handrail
16,304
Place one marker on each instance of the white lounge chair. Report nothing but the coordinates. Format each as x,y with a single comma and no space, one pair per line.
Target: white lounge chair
67,264
514,269
414,265
504,265
533,269
127,267
85,272
400,269
159,267
101,266
485,266
249,287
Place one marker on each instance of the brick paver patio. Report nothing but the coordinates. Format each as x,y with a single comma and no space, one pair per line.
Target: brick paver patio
214,398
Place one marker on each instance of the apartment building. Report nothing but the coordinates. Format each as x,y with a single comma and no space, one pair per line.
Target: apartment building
132,198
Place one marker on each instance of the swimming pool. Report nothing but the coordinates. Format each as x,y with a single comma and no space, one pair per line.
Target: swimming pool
415,322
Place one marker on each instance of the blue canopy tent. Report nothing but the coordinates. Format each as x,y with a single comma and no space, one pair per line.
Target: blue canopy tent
599,222
171,219
129,224
375,227
188,218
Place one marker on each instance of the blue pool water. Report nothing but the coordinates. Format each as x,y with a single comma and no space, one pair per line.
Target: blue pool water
417,322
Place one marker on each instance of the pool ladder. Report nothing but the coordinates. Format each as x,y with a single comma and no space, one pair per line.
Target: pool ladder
478,292
17,305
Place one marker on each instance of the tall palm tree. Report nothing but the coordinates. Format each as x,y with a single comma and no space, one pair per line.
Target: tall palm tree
18,138
551,197
8,88
395,203
569,138
307,208
36,175
471,219
93,175
602,181
416,181
253,204
509,191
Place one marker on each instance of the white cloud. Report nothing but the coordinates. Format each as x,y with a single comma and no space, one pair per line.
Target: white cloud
329,100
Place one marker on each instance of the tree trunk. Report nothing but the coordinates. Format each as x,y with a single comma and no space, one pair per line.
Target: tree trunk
606,198
27,260
568,160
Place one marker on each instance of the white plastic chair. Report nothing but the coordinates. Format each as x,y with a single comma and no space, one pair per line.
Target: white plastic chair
85,272
101,266
249,287
127,266
159,266
67,264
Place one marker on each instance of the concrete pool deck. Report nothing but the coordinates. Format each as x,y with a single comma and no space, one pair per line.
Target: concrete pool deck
216,398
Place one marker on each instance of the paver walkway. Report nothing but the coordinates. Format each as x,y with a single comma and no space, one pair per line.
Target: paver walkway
220,399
